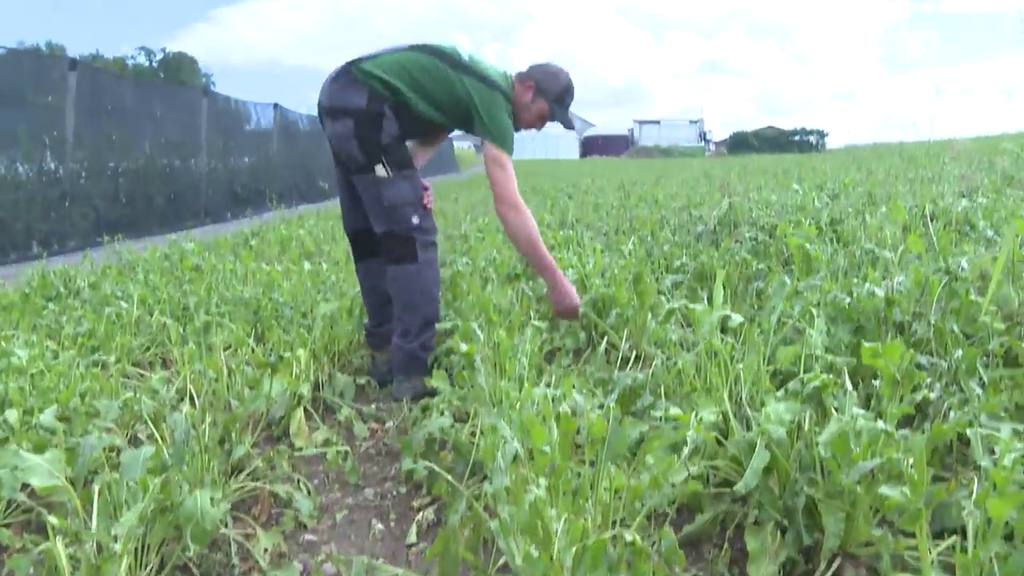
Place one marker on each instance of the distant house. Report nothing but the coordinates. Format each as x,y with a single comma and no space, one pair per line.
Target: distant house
669,132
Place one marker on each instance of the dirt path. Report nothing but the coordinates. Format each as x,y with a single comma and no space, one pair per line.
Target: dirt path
378,518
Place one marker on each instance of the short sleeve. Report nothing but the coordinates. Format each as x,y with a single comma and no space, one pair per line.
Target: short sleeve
493,122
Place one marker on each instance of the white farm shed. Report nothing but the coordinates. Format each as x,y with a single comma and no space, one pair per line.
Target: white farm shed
551,143
669,132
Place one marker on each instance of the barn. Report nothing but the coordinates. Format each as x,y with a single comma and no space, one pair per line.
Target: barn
681,132
605,144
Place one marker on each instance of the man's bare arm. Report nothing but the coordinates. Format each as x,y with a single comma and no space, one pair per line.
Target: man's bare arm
515,216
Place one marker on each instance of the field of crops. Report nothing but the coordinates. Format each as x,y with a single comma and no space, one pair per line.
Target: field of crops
787,366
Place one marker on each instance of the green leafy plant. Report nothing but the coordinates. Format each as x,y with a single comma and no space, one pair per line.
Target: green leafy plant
790,365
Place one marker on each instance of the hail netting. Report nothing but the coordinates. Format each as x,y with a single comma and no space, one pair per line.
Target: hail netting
88,154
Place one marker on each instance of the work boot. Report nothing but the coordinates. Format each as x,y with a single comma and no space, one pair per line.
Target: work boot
380,368
411,389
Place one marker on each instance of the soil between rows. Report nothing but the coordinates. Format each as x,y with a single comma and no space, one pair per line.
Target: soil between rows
372,518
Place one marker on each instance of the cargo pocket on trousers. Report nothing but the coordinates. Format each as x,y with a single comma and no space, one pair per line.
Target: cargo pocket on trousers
402,197
409,226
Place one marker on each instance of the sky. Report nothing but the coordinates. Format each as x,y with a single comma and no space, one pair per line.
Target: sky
864,70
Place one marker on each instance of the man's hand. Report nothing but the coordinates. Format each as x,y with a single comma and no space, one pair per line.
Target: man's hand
565,303
428,196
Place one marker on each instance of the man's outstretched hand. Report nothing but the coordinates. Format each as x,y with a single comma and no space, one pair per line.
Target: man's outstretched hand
428,196
565,303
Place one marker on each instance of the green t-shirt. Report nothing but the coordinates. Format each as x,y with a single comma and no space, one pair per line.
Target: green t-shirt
444,89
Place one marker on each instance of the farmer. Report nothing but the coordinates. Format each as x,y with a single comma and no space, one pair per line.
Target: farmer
369,109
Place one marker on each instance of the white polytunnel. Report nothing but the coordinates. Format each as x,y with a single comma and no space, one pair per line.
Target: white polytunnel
552,143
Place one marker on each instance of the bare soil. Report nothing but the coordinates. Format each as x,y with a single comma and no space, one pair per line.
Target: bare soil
373,518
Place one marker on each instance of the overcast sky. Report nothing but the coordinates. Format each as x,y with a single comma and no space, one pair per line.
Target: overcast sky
865,70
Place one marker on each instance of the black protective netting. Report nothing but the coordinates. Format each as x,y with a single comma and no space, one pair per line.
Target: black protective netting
33,199
135,150
140,162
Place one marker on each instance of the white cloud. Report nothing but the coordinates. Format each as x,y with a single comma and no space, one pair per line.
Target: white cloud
981,6
821,67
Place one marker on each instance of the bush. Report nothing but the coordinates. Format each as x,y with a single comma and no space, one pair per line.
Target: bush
666,152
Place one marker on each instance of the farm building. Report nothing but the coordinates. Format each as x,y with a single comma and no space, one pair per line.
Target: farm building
669,132
553,142
605,144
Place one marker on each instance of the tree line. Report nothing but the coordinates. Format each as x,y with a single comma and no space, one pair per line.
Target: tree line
774,140
171,66
112,120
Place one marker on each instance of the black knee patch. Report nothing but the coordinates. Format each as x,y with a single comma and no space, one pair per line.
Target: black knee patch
398,248
365,245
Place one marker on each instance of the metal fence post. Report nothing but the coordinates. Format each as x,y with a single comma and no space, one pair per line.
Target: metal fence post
275,128
69,117
204,113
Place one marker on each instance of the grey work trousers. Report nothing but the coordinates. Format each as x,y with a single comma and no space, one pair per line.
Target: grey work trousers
393,237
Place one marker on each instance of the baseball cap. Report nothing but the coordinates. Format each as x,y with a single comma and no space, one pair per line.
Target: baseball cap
555,86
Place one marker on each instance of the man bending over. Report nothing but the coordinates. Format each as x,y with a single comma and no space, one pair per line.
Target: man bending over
369,108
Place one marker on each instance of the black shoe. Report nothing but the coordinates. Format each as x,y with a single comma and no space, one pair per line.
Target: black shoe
411,389
380,368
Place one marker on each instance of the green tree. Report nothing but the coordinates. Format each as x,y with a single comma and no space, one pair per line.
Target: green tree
741,142
228,118
774,140
49,47
171,66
